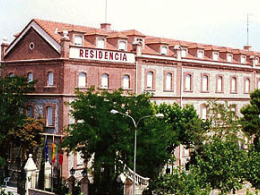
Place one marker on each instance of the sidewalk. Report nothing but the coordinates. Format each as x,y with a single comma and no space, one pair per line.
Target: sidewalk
10,189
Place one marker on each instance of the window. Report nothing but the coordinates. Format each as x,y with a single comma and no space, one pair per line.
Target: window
258,84
11,75
50,79
243,59
104,81
30,77
168,81
200,54
233,85
150,80
30,111
80,160
78,40
126,82
188,82
101,43
220,84
215,56
122,45
229,57
82,79
256,61
205,83
247,86
203,112
164,50
184,52
49,118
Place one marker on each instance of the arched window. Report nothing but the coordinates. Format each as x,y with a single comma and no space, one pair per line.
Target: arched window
104,81
247,86
205,83
11,75
49,118
50,79
82,79
234,85
168,81
30,77
258,84
150,80
220,80
126,82
204,112
188,82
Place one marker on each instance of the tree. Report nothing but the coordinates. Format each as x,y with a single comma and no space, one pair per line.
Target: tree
223,163
12,98
111,137
251,120
192,183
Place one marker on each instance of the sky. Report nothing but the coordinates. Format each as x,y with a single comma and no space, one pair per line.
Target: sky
221,22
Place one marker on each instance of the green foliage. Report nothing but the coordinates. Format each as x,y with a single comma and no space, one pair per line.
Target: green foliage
192,183
111,137
3,192
251,120
223,163
253,167
12,90
188,128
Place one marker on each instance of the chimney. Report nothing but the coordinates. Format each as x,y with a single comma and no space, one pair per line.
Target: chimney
247,47
137,48
177,51
65,45
105,26
4,46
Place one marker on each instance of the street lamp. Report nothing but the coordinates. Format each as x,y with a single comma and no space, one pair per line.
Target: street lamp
159,115
72,171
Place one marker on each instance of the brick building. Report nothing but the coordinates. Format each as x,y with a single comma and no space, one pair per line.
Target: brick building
65,56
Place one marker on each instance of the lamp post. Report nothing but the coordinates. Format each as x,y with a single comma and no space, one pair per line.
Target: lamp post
159,115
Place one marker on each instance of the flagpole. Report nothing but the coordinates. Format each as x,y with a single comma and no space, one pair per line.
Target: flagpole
53,160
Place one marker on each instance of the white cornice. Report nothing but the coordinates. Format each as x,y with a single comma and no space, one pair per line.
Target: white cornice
41,32
198,61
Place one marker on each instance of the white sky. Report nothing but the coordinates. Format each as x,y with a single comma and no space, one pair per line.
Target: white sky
221,22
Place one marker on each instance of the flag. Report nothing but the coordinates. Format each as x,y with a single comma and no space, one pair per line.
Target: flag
53,151
61,154
46,149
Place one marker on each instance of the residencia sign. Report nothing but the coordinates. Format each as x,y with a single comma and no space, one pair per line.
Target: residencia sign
101,55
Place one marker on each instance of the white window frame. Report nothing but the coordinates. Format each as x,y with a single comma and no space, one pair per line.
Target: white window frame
122,45
11,74
243,59
49,117
82,79
184,52
220,83
99,45
168,81
205,80
229,57
30,77
258,84
215,56
104,81
200,54
203,112
30,111
233,84
78,40
247,85
149,80
188,82
164,50
126,81
50,79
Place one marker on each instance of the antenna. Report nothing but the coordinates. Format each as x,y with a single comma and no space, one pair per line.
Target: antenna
106,13
247,28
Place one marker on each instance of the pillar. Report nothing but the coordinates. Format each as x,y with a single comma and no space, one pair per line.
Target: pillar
30,172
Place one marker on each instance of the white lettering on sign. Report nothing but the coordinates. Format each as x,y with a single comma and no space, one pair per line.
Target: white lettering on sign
101,55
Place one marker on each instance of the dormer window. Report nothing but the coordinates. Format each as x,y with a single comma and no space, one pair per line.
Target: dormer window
256,60
184,52
164,50
78,40
122,45
101,43
200,54
229,57
243,59
215,56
